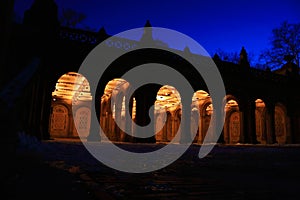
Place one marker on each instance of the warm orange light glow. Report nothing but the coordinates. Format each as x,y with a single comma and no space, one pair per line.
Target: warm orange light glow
200,95
231,104
72,87
259,103
114,88
167,98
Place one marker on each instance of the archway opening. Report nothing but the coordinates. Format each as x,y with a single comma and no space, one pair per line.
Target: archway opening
167,101
232,127
71,89
112,108
202,110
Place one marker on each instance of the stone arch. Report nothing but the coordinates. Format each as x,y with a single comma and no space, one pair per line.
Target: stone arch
229,97
72,90
112,108
167,101
233,121
201,100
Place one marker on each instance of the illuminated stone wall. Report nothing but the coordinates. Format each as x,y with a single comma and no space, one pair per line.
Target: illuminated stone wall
72,89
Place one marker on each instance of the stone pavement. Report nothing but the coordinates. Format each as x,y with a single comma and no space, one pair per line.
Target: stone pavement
35,179
64,169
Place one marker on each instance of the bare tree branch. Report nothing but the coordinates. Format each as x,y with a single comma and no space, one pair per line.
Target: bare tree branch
71,18
285,46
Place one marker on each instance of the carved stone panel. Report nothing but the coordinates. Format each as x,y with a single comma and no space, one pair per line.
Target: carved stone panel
235,127
59,121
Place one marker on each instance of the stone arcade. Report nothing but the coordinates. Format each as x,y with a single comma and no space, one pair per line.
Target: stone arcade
260,106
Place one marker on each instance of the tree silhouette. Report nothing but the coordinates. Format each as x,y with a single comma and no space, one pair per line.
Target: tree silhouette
228,56
71,18
285,46
234,57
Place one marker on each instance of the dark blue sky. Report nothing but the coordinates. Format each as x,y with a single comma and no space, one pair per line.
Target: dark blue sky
214,24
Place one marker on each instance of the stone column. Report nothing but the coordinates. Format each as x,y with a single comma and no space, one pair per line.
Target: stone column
219,122
95,131
201,128
248,122
270,123
128,119
118,119
185,122
214,122
293,113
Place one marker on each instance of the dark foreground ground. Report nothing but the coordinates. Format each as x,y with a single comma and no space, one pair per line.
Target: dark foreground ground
63,169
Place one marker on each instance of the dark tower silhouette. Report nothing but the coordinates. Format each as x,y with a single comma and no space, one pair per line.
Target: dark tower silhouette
102,35
147,35
216,58
291,68
187,50
244,58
